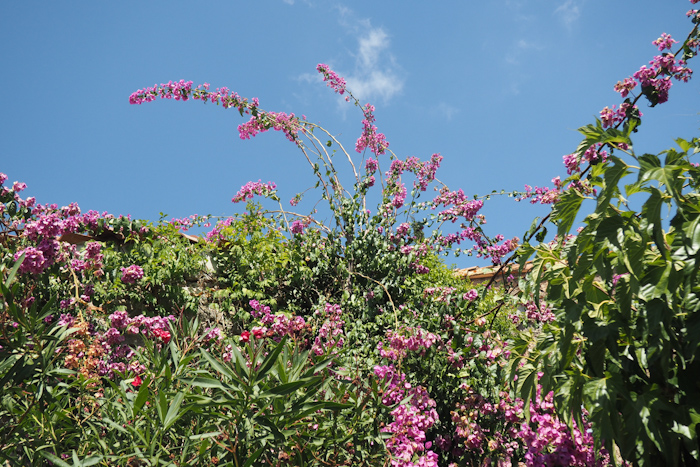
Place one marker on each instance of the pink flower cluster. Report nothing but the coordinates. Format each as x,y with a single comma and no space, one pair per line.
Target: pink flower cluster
297,227
543,195
418,252
118,357
371,138
664,42
335,82
550,442
215,233
277,325
251,189
182,90
593,153
460,205
279,121
439,294
260,121
405,339
330,335
656,79
613,117
543,314
131,274
178,90
471,295
497,251
424,171
411,420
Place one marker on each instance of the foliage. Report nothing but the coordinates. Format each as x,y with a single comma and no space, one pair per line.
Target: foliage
623,342
279,340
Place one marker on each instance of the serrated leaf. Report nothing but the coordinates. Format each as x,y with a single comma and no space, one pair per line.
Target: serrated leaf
565,210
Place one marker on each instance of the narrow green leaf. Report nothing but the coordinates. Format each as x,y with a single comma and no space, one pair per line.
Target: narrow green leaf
205,435
203,382
142,396
55,459
288,388
270,360
254,457
174,413
13,271
223,369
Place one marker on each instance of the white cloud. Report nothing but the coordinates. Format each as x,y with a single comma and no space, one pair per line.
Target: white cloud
444,110
375,73
569,11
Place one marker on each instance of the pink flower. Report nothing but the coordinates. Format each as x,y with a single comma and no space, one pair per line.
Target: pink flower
665,41
297,227
471,295
251,189
333,81
131,274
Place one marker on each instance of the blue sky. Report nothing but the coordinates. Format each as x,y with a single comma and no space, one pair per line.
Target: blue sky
497,87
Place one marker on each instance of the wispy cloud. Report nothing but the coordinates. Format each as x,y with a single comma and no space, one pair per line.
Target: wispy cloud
289,2
373,72
569,12
445,111
520,46
376,73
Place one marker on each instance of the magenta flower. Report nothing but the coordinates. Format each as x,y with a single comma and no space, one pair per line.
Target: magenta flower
251,189
297,227
131,274
333,81
664,42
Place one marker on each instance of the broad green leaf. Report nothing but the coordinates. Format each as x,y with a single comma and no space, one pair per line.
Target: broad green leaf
565,210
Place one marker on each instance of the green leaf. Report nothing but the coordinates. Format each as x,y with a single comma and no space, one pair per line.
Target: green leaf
55,459
174,413
13,271
254,456
651,211
225,370
270,361
204,382
288,388
211,434
142,396
565,210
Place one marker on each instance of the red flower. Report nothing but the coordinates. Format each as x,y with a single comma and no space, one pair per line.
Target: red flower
137,381
163,335
258,332
245,336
